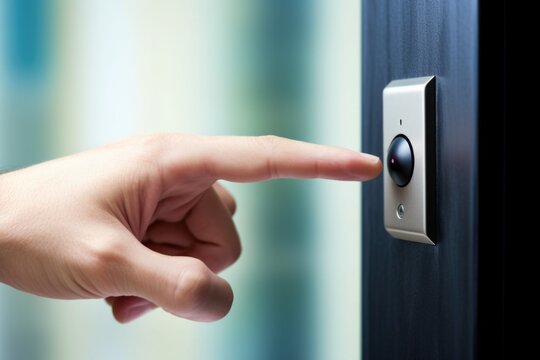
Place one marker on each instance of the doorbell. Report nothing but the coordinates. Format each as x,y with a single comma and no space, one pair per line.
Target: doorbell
409,130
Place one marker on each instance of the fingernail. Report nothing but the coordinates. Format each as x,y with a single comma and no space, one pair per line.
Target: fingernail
136,311
370,158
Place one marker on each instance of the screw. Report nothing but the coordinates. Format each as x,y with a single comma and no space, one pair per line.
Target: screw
400,211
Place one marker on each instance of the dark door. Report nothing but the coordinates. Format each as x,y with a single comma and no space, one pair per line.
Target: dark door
443,301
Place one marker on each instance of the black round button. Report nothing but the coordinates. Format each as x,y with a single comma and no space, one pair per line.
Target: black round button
400,160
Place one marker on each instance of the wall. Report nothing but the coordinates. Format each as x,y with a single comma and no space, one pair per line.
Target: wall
419,301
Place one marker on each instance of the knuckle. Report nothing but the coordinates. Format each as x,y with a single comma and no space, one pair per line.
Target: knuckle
105,257
229,257
107,250
226,197
145,153
235,253
151,147
193,286
153,152
230,203
140,153
270,144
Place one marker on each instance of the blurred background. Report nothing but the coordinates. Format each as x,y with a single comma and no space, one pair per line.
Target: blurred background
76,74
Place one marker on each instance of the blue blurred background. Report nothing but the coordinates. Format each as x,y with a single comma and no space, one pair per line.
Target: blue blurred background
77,74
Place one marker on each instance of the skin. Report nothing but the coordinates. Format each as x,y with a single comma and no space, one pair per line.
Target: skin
142,223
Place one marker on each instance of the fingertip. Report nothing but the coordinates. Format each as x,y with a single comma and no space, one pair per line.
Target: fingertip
373,172
365,167
377,169
370,159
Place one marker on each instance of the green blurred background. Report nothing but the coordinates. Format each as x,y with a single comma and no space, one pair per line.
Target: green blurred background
77,74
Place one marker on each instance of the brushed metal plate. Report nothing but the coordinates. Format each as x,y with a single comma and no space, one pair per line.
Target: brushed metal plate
409,108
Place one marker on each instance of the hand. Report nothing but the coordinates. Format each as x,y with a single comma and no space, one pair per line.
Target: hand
143,222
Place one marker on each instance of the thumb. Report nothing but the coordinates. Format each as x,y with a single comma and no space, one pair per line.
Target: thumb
181,285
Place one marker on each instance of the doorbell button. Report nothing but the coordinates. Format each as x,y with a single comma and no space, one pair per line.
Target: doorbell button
400,161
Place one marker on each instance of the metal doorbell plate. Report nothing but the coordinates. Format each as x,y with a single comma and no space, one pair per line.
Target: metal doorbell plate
409,131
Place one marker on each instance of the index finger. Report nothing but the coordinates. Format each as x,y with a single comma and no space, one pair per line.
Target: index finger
247,159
